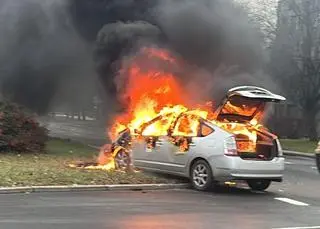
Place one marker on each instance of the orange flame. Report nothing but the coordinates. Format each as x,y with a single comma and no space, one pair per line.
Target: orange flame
151,92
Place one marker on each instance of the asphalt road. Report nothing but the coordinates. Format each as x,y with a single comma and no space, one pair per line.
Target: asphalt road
294,203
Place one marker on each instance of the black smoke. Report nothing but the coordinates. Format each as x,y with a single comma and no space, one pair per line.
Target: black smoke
41,53
214,38
115,41
46,46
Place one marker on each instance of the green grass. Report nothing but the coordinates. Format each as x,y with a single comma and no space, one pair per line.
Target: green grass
51,168
300,145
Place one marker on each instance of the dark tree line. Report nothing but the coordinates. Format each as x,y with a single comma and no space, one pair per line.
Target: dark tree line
295,60
291,30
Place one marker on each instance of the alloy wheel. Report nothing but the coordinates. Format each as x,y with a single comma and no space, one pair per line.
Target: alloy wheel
200,175
122,160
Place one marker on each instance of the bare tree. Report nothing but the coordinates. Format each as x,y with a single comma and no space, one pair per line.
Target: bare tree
296,57
263,14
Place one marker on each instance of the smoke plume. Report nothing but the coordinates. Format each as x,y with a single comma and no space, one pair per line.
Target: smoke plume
219,47
117,40
40,52
46,46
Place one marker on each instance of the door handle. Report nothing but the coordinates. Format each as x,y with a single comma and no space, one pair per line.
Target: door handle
192,144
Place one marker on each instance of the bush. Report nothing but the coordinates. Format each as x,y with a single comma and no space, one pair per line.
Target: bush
19,131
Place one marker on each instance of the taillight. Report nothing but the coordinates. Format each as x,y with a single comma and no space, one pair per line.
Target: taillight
230,146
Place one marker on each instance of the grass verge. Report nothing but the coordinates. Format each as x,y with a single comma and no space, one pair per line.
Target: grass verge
51,168
299,145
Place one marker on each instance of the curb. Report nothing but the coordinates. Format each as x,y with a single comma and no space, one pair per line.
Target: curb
82,188
299,154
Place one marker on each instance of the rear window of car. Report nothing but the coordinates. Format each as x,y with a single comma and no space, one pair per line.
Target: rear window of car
241,106
158,127
206,130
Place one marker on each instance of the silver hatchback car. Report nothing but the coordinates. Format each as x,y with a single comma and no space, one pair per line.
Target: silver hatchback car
221,151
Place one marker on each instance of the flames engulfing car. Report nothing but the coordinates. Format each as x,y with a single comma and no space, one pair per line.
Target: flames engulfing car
232,146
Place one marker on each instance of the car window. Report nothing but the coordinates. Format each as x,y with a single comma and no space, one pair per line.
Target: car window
241,106
205,130
187,125
158,128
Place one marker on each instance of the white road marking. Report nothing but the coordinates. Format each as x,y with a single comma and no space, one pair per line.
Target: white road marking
312,227
291,201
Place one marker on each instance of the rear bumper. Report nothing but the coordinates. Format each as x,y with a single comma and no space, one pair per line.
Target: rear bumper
235,168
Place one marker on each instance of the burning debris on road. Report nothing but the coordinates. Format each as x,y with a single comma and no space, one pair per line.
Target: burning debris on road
158,105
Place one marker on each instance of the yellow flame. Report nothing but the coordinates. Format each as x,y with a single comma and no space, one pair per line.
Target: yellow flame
243,129
107,167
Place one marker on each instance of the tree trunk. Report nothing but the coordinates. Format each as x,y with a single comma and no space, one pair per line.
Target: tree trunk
311,125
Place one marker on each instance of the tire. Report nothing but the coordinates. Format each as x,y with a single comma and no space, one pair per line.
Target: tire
259,185
122,160
201,176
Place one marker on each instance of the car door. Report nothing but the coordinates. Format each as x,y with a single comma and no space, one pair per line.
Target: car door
179,145
150,148
197,142
165,153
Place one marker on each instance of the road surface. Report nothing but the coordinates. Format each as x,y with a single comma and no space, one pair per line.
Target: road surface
292,204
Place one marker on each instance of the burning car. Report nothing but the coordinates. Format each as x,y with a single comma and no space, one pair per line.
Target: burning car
231,145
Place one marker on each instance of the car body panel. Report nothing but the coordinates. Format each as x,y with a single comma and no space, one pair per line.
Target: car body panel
226,168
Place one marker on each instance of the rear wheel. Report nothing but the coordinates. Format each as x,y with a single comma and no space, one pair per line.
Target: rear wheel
201,176
122,160
259,185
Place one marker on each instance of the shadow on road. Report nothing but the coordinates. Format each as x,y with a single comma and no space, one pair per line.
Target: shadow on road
240,190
